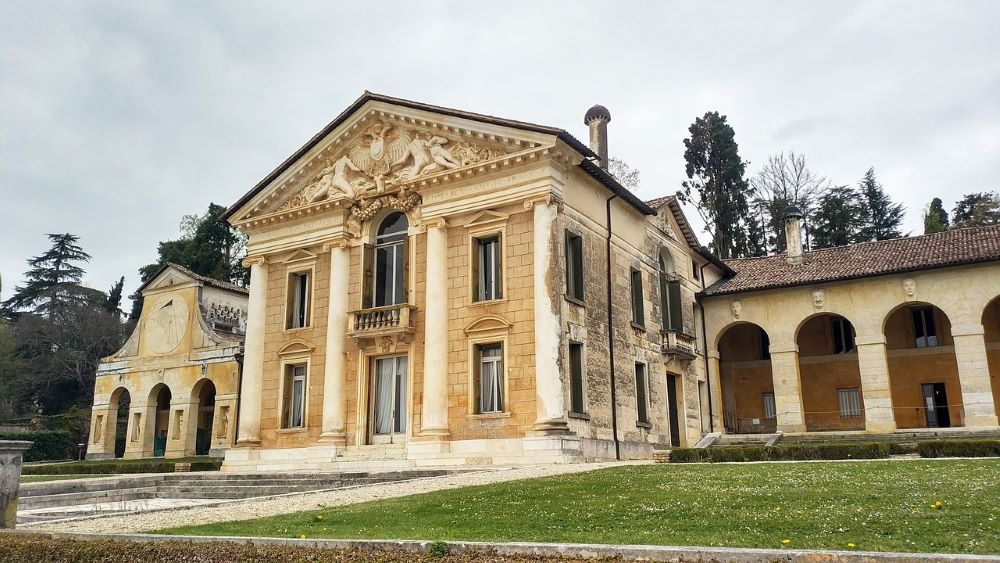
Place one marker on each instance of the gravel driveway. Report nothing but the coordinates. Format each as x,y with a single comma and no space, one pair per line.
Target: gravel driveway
271,506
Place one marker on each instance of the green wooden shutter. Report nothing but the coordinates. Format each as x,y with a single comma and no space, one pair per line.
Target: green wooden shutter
368,276
674,299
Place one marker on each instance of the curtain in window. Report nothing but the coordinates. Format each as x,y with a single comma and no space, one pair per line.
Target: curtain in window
298,392
491,379
384,372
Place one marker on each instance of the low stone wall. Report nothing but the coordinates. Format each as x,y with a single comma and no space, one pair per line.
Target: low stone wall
10,479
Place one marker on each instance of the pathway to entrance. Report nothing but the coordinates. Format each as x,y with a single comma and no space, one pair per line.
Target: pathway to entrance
275,505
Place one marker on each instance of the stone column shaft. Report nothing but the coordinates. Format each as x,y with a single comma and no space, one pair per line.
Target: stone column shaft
787,390
874,368
335,371
550,399
253,358
974,376
715,383
434,419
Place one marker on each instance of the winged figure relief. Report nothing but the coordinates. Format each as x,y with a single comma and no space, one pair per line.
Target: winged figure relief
384,145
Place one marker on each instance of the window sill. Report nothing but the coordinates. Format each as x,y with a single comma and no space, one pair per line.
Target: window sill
574,300
578,415
638,326
473,303
297,430
488,415
645,425
296,329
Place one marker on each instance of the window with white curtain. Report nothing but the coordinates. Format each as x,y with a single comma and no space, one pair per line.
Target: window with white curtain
297,308
294,393
770,412
850,402
488,273
489,384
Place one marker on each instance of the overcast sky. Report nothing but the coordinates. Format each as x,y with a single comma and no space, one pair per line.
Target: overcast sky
117,118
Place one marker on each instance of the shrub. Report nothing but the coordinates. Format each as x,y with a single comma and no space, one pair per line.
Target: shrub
794,452
901,448
49,445
959,448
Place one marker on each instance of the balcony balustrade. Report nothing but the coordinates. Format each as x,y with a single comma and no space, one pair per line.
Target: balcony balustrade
378,321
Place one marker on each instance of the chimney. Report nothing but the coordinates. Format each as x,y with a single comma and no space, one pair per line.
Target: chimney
597,119
793,235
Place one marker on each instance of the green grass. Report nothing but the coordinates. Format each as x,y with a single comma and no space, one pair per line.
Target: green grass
876,505
44,478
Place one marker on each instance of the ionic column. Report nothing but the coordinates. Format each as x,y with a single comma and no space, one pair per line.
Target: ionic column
335,371
974,375
248,434
549,400
787,388
874,367
434,420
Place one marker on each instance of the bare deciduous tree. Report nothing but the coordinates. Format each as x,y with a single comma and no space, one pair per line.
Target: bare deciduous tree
625,174
785,180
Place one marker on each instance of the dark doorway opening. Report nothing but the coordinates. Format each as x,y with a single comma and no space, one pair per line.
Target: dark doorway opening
672,415
936,405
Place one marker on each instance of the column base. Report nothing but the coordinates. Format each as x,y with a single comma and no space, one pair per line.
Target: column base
248,443
436,432
981,422
551,427
792,428
333,438
880,426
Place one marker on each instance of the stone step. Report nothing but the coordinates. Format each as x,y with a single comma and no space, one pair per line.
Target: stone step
86,497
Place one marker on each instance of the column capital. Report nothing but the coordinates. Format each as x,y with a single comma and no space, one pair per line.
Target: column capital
339,242
258,260
547,199
967,330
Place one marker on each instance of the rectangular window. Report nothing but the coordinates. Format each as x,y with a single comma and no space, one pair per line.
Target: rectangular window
574,266
576,378
843,335
924,330
770,413
294,397
638,313
489,378
695,273
488,272
642,411
850,402
297,308
670,303
765,345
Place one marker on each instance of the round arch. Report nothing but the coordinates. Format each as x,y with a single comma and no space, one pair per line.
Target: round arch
203,396
746,380
923,370
829,374
991,335
159,401
119,407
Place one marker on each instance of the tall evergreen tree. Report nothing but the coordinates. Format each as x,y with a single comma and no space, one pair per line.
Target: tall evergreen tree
718,189
53,279
883,217
935,217
838,218
114,301
977,210
207,247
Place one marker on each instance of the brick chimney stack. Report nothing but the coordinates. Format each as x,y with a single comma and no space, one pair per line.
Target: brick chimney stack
793,235
597,119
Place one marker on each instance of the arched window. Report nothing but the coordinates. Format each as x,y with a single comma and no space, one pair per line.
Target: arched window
670,296
388,279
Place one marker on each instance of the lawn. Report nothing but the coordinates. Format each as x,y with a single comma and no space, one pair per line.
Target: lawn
874,505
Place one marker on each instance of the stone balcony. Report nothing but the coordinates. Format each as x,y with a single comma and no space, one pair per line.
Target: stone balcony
679,345
381,321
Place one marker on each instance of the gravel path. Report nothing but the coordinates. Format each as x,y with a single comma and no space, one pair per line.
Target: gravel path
262,507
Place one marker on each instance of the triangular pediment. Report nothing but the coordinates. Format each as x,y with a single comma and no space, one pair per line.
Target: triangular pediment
382,149
486,218
169,278
300,255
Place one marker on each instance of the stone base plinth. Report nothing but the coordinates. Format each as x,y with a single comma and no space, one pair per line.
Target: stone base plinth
10,480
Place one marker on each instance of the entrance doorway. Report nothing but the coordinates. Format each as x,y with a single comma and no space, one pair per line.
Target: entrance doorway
388,400
206,418
936,405
675,430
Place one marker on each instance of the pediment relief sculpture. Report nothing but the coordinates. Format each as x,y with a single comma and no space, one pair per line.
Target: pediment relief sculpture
384,158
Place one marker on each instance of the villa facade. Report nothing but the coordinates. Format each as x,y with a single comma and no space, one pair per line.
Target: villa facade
430,286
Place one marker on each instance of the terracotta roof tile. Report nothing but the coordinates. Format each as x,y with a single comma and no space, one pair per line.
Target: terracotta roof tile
951,248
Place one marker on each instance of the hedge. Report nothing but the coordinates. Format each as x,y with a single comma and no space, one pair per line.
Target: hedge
795,452
41,548
117,467
49,445
959,448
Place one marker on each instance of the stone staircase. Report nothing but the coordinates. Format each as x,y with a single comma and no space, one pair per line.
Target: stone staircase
900,436
83,497
748,439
